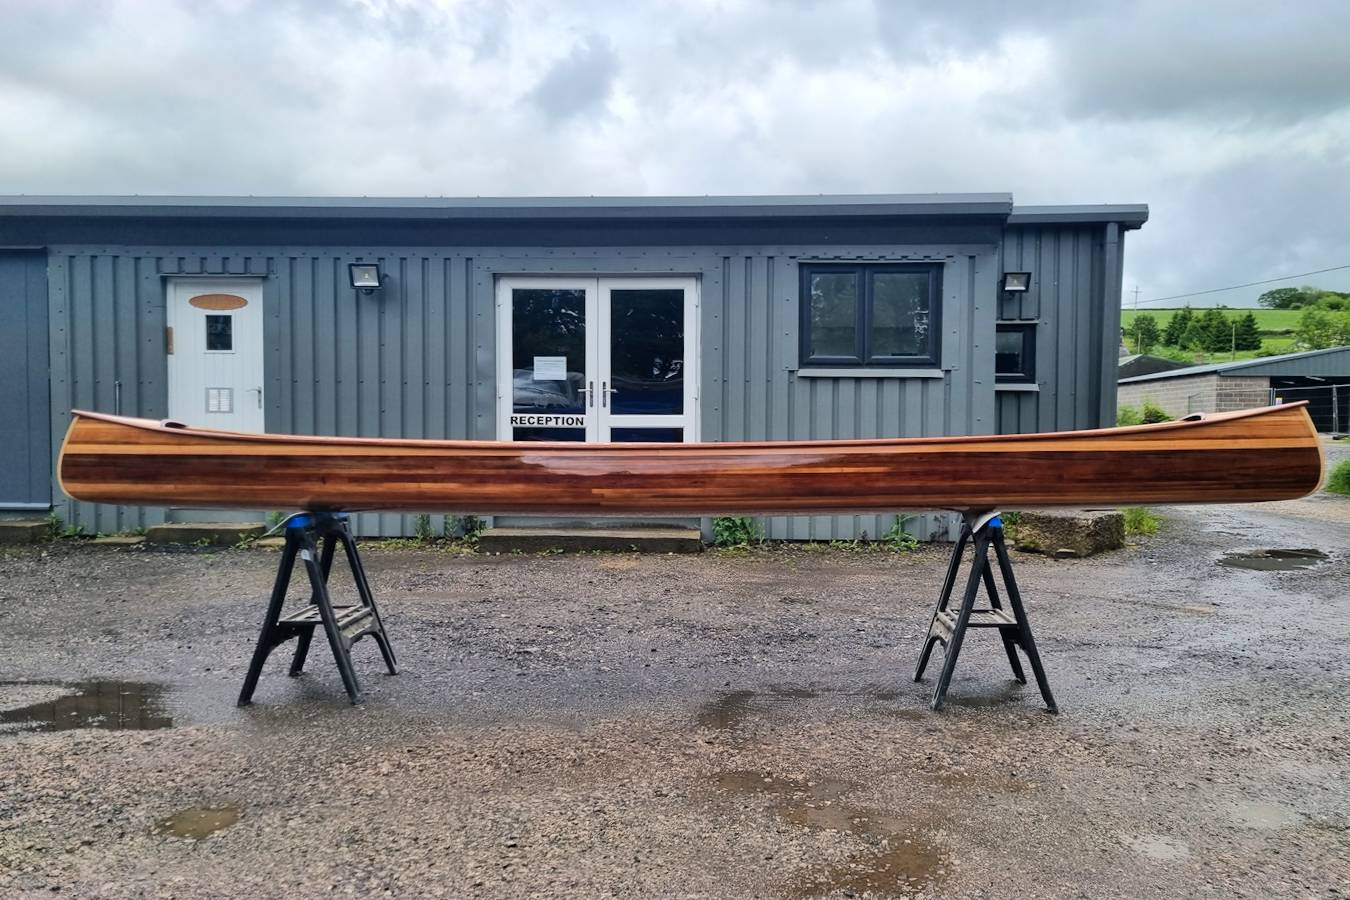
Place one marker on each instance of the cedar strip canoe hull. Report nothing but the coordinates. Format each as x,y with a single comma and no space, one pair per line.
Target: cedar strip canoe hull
1271,453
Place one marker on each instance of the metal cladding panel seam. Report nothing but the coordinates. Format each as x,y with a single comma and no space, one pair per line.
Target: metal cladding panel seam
419,359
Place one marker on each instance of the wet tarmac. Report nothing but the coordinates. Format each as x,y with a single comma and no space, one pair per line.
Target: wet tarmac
725,726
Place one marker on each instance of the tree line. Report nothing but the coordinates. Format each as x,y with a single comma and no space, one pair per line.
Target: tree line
1324,323
1208,330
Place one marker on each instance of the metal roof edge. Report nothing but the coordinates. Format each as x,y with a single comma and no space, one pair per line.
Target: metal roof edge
974,204
1211,368
1129,215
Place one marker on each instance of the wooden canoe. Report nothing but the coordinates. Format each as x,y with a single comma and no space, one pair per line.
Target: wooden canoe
1260,454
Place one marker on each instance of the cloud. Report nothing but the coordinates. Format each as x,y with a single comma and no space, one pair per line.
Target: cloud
578,83
1236,64
1232,122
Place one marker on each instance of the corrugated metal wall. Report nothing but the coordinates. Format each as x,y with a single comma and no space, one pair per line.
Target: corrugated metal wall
1075,301
25,448
1334,363
417,359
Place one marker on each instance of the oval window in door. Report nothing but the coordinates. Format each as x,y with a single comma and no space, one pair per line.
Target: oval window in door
218,302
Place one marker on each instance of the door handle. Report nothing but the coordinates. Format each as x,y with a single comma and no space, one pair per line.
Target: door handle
589,391
605,391
258,391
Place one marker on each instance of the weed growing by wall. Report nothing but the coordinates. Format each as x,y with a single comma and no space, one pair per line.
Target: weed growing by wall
1141,520
736,531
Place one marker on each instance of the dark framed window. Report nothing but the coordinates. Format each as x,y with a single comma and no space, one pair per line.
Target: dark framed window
1015,353
870,314
220,333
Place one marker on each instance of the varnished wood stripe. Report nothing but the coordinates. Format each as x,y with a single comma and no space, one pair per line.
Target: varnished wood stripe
1261,455
218,302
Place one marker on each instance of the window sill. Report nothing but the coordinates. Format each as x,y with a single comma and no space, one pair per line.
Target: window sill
866,372
1017,386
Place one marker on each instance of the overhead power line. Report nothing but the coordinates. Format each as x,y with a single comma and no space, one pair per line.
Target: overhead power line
1234,287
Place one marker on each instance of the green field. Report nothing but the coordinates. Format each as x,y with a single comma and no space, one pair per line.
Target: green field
1277,330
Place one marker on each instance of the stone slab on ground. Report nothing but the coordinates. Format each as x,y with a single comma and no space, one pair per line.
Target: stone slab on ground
1070,533
24,531
640,539
120,540
220,534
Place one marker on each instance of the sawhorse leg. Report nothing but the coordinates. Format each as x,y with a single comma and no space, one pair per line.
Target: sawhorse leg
271,633
302,641
367,595
948,626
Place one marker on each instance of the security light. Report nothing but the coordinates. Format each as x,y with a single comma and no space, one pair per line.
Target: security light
1016,282
365,277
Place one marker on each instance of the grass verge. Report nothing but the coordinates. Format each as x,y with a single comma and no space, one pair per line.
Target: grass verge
1338,482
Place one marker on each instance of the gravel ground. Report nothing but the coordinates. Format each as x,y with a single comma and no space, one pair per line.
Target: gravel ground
731,725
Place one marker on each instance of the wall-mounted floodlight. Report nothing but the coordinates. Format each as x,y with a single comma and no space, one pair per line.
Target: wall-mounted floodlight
1016,282
365,277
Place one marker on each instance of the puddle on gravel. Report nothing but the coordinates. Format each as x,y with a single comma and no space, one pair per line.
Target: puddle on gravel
1262,816
900,860
900,871
1273,560
730,709
745,781
198,822
107,705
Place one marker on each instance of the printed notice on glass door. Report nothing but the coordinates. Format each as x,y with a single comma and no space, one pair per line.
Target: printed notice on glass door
550,368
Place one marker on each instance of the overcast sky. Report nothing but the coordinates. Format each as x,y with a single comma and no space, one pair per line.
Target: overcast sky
1232,122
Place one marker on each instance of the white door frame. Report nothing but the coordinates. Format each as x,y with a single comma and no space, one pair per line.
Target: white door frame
597,290
183,392
688,420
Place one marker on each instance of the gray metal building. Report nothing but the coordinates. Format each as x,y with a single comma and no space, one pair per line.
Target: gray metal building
708,318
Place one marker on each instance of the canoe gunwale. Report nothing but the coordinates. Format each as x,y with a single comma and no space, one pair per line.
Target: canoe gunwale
170,426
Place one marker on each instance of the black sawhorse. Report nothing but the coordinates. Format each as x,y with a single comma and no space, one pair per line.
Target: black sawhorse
948,626
344,625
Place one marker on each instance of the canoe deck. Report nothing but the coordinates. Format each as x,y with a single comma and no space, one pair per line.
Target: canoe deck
1271,453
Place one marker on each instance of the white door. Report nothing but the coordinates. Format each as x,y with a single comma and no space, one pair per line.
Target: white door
216,353
597,359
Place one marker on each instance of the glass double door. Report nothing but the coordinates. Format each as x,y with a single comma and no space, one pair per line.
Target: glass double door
597,359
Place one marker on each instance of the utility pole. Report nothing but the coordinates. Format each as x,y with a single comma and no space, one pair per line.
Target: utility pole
1232,353
1136,296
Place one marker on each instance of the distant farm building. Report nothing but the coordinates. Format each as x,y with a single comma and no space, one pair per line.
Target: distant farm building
1322,377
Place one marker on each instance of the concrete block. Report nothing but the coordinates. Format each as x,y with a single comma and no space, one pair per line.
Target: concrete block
1070,533
642,540
216,534
24,531
119,540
